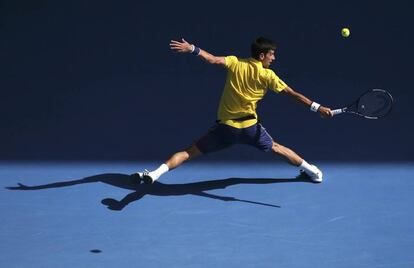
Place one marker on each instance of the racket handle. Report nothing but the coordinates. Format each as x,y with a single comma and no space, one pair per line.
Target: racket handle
337,111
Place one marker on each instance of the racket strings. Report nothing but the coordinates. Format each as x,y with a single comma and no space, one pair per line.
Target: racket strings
375,103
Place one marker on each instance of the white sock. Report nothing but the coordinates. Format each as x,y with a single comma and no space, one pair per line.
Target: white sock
309,169
159,171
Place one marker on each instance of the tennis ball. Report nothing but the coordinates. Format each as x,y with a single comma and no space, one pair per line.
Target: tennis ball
345,32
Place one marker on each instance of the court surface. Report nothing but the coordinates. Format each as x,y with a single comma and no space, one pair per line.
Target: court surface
206,215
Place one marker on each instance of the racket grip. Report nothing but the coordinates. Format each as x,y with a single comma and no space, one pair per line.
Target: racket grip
337,111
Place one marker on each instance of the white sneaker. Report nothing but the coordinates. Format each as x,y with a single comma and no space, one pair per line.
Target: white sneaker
146,178
314,177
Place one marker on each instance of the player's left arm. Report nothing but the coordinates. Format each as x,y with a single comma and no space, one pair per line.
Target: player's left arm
324,111
185,47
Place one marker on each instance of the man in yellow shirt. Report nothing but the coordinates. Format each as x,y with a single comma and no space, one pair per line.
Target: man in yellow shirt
247,82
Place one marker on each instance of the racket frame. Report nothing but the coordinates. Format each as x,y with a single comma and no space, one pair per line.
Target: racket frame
355,103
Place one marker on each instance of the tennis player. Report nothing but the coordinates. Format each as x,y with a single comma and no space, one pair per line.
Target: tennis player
247,82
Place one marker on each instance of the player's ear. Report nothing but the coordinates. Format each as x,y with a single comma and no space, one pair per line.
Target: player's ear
261,56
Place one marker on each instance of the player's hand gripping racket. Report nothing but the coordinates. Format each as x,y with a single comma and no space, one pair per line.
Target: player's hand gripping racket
373,104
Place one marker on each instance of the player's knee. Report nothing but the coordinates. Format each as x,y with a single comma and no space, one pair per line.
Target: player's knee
276,147
192,152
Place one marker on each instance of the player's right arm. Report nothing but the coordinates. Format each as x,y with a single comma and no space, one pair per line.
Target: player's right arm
324,111
185,47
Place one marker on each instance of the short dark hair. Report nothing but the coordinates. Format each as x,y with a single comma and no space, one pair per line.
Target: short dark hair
261,45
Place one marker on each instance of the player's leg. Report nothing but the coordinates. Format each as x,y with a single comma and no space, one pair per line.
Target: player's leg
287,154
179,158
258,136
174,161
217,138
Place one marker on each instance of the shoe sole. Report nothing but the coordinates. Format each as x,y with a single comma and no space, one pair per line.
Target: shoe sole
147,180
312,179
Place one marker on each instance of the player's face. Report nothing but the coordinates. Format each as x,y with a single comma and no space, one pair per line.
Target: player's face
268,58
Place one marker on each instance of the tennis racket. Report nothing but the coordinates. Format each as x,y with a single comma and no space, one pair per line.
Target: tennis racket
373,104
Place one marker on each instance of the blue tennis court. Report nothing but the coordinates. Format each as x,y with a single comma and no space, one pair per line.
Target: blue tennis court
92,91
206,214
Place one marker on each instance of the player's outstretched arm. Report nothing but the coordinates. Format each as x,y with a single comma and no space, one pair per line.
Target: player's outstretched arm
185,47
324,111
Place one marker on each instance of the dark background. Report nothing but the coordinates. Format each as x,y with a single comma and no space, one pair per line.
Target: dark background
95,80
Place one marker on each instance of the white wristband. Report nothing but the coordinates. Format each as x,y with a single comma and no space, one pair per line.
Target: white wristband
314,106
192,48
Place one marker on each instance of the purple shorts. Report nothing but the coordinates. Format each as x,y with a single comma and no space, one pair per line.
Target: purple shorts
221,136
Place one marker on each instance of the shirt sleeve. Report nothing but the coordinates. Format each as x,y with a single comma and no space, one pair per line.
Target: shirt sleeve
274,82
231,62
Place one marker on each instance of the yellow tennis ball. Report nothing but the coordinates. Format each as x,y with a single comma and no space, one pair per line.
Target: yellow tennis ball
345,32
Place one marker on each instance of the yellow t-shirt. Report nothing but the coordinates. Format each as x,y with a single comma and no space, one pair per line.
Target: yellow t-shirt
247,82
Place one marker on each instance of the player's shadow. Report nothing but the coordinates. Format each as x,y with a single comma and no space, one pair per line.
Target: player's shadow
162,189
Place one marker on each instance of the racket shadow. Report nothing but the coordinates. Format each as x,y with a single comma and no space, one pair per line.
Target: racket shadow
199,188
